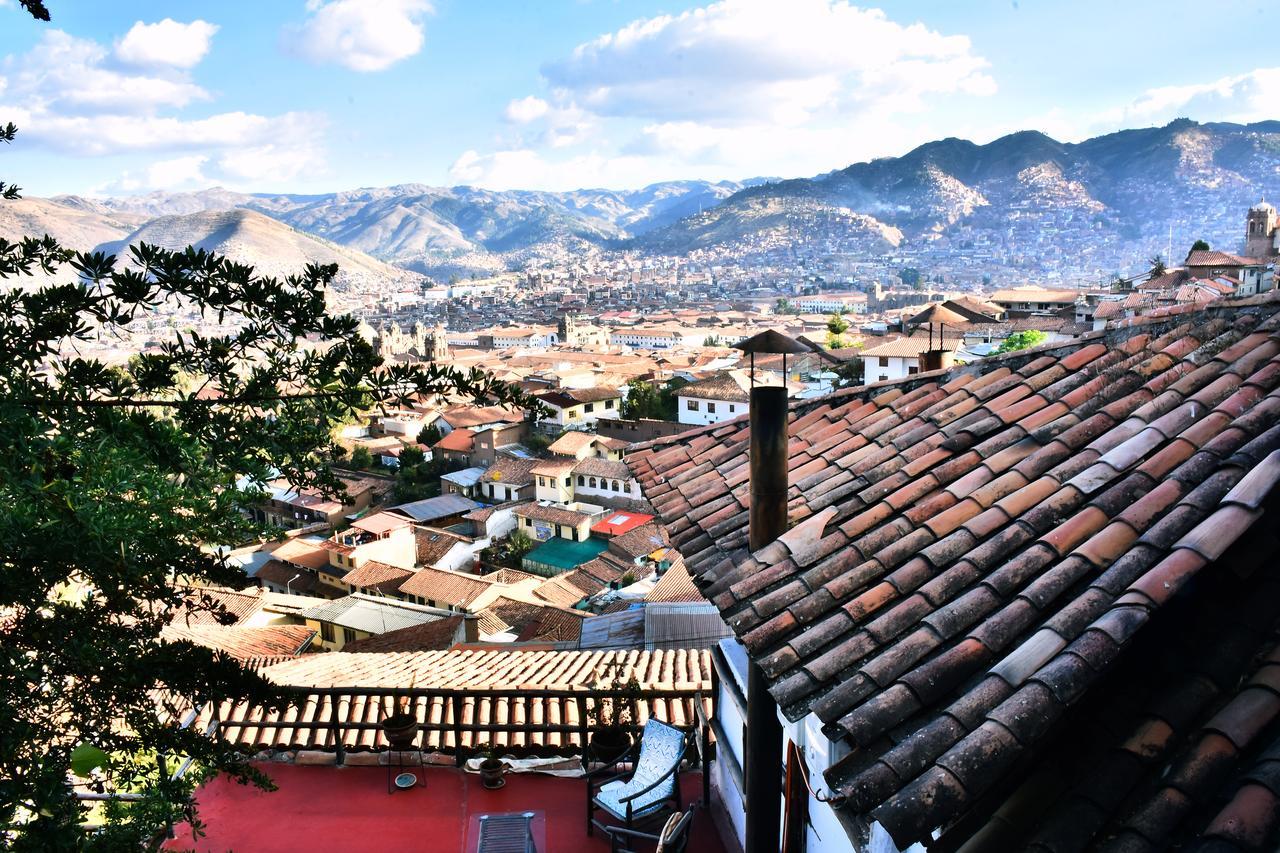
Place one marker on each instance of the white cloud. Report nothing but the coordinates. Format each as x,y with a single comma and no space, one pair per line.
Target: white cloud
525,110
178,172
363,35
757,60
733,89
166,43
65,73
72,96
1242,98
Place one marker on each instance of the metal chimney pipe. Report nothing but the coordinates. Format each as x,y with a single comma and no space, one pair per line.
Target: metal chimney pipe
768,465
763,748
769,474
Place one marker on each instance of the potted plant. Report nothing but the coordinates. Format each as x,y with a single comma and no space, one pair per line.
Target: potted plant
401,727
611,718
491,768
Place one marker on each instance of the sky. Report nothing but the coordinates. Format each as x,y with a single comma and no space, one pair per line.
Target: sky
311,96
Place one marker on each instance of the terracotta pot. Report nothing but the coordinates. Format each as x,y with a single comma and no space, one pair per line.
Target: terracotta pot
400,730
491,773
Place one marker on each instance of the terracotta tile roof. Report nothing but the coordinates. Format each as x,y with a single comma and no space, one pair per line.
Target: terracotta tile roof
572,442
568,397
302,552
973,542
594,466
465,416
456,589
381,522
510,470
460,440
675,585
294,578
686,671
1211,258
536,622
553,467
209,602
377,576
643,540
429,636
1034,294
243,643
551,514
432,544
911,347
512,576
567,589
606,568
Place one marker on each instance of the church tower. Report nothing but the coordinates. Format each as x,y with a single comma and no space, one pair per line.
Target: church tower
437,344
1260,232
568,331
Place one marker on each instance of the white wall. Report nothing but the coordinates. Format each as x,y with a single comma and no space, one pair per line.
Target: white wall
825,833
629,488
723,411
898,368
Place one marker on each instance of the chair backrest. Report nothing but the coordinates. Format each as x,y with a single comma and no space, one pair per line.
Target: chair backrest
674,837
661,747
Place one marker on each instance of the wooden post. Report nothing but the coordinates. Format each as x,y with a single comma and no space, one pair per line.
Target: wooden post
455,705
583,732
335,731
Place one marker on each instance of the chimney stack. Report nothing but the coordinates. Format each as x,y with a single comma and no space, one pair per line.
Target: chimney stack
769,483
937,356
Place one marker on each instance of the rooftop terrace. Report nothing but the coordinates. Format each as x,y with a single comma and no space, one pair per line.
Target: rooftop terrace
348,808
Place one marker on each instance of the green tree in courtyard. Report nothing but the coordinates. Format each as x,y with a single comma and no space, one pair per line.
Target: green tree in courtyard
1200,246
1022,340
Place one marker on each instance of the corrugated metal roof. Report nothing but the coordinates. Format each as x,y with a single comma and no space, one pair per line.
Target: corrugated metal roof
437,507
375,615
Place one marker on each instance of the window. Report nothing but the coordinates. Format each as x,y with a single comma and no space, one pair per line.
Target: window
884,361
732,408
593,482
568,481
348,636
692,405
608,404
326,632
591,407
911,370
582,481
711,408
616,487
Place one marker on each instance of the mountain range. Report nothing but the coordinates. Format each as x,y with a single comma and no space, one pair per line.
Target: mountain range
1021,193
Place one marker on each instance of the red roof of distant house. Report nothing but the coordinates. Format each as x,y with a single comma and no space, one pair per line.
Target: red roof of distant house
618,523
462,440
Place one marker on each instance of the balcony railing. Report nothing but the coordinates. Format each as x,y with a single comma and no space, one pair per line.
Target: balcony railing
457,721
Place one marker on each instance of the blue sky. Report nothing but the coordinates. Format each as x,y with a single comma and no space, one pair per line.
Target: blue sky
319,95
